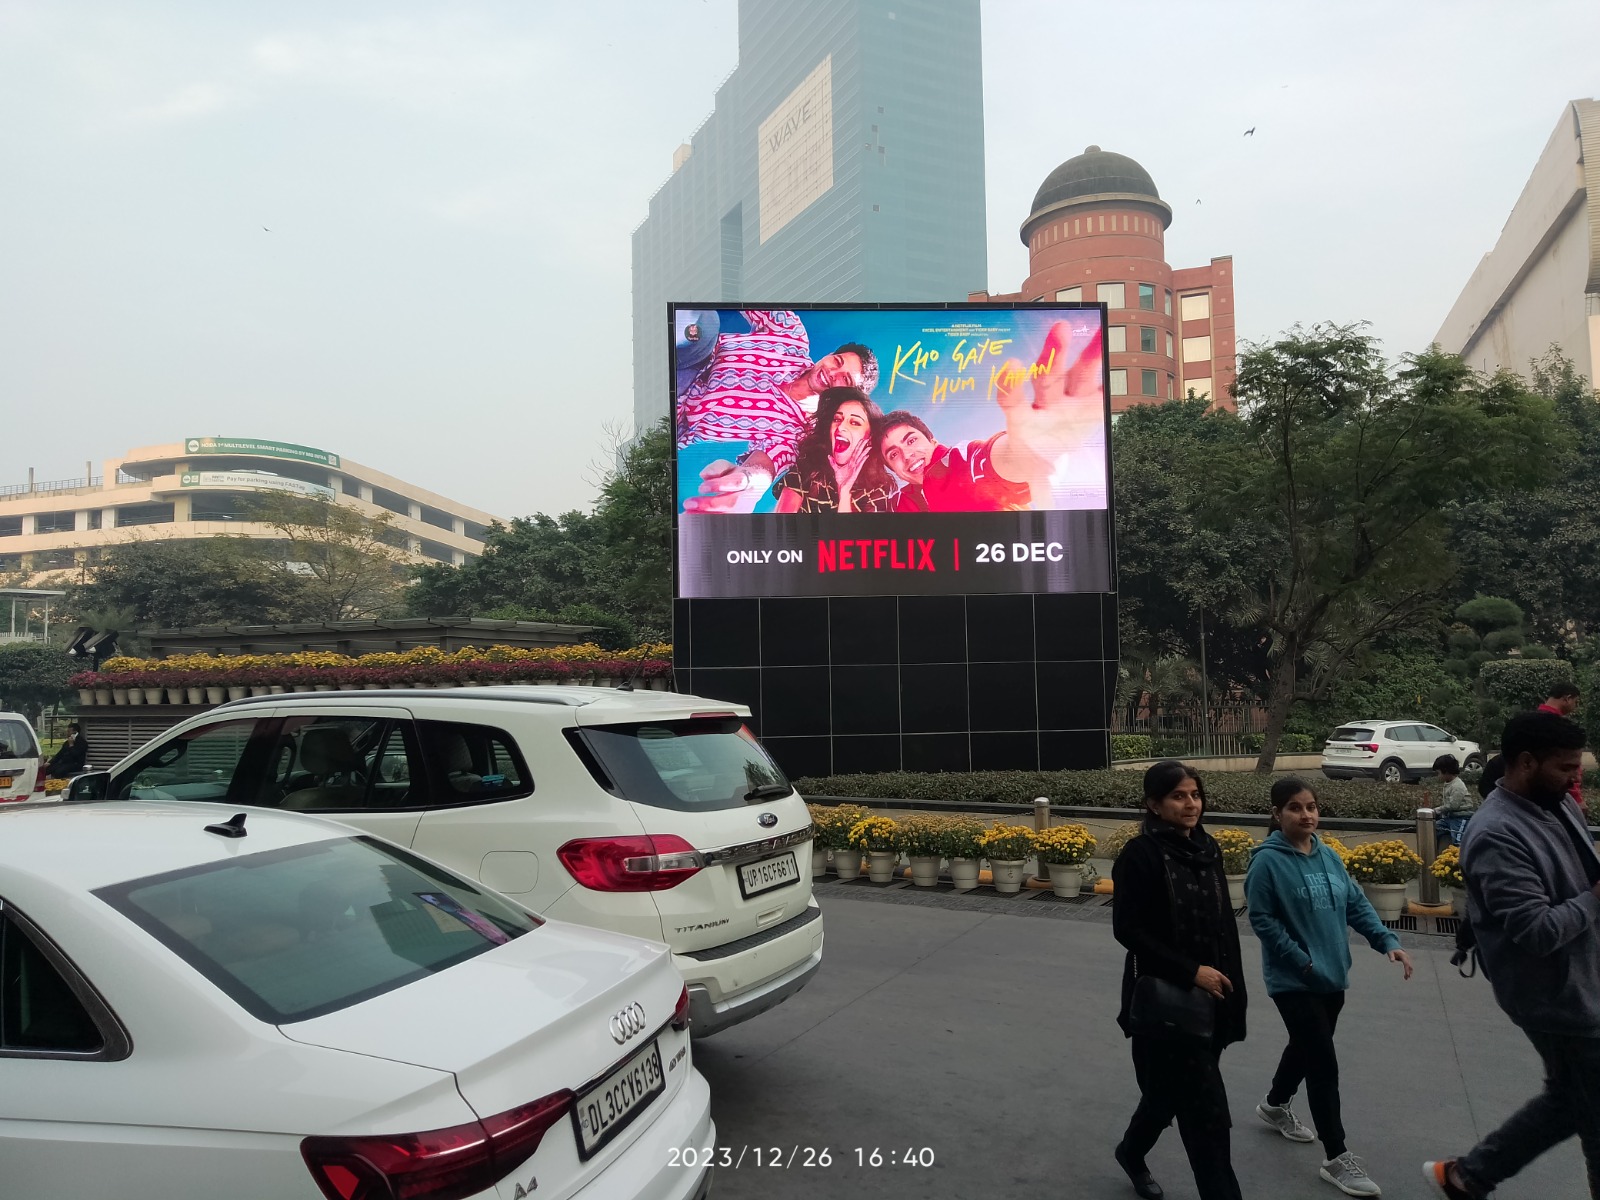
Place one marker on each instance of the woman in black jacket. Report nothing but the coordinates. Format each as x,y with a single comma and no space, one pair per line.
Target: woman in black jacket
1171,911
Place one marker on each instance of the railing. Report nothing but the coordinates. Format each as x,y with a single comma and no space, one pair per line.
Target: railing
50,485
1235,729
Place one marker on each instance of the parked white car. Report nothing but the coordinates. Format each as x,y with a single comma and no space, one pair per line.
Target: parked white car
21,763
648,813
198,1004
1395,751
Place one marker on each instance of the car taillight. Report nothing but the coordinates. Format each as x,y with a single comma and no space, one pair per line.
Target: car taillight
680,1014
1369,747
442,1164
649,863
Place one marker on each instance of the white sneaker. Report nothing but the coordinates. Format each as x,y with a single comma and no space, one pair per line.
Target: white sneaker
1282,1118
1348,1175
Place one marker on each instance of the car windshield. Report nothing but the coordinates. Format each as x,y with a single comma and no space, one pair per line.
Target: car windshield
699,764
296,933
1350,733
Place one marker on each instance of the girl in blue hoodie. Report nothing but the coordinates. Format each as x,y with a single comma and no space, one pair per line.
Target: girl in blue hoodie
1302,904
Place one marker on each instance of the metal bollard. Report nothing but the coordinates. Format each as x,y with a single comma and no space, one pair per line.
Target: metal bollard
1427,848
1041,822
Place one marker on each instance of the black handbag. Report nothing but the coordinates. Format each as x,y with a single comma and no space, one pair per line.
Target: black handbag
1161,1009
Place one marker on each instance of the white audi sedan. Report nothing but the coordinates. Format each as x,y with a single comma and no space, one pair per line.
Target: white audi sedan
197,1003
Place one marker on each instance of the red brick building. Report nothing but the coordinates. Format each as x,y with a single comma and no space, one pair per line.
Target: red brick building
1097,232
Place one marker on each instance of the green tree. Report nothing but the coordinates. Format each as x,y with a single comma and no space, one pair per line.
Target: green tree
1343,471
1537,547
610,568
33,675
348,564
171,585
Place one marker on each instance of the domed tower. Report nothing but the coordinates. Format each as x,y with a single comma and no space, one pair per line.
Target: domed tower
1097,231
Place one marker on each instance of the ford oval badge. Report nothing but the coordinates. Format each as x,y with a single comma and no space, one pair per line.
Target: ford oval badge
767,820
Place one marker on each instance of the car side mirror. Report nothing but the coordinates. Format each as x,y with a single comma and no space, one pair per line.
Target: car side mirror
86,789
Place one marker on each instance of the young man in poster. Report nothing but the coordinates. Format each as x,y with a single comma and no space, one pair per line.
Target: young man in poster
1011,469
761,387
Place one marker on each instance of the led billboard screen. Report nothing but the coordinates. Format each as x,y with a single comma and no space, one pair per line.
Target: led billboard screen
891,450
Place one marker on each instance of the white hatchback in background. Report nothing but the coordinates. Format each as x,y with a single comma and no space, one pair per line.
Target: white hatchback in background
197,1007
648,813
21,763
1395,751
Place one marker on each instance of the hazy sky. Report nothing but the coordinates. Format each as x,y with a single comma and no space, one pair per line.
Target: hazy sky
400,231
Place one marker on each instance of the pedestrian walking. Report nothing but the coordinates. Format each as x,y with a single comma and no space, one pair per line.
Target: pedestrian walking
1533,899
1183,997
1302,905
1456,802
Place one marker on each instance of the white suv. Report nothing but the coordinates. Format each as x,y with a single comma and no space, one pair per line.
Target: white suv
21,764
649,813
1395,751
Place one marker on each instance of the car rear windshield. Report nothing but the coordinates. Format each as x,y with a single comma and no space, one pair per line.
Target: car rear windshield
1350,733
693,766
16,740
296,933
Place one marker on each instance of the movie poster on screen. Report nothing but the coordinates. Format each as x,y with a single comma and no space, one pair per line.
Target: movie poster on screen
831,451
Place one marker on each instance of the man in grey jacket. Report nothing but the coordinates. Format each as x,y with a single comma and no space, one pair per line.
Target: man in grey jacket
1533,897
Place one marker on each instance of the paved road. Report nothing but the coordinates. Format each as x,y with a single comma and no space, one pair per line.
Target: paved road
948,1025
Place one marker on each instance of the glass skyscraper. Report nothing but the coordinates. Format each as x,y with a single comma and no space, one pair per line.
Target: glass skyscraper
843,162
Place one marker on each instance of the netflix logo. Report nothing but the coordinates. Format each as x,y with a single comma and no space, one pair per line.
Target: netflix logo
876,554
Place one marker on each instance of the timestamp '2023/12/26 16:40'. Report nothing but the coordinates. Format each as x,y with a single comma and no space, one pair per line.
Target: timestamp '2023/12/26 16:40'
733,1157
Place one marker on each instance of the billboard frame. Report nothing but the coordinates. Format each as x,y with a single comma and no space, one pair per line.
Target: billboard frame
951,306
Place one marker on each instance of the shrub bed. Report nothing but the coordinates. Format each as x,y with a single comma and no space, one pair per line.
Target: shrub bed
1229,793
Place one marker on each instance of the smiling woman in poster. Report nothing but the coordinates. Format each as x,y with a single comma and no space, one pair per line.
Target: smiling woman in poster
837,466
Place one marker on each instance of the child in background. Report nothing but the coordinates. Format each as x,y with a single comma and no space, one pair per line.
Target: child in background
1456,801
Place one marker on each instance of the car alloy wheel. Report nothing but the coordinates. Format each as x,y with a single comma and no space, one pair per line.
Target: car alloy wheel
1392,771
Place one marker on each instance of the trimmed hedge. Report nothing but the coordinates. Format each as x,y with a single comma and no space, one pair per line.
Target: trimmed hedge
1130,745
1236,793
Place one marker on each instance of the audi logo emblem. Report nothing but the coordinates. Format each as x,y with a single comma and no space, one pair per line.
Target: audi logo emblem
629,1023
767,820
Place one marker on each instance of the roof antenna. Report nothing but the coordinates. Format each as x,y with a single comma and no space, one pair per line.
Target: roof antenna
233,827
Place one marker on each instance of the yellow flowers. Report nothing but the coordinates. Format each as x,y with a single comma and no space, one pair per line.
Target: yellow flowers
1236,846
54,787
1447,868
1065,844
833,824
1383,862
1338,847
873,833
1006,843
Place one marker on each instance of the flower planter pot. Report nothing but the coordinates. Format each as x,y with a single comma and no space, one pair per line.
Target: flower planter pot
348,687
1007,874
847,863
156,695
277,689
260,690
1389,899
175,695
302,687
1236,892
819,863
195,695
1066,879
372,687
85,696
925,869
102,695
322,687
120,695
135,695
881,865
964,873
216,695
1456,898
659,685
238,693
